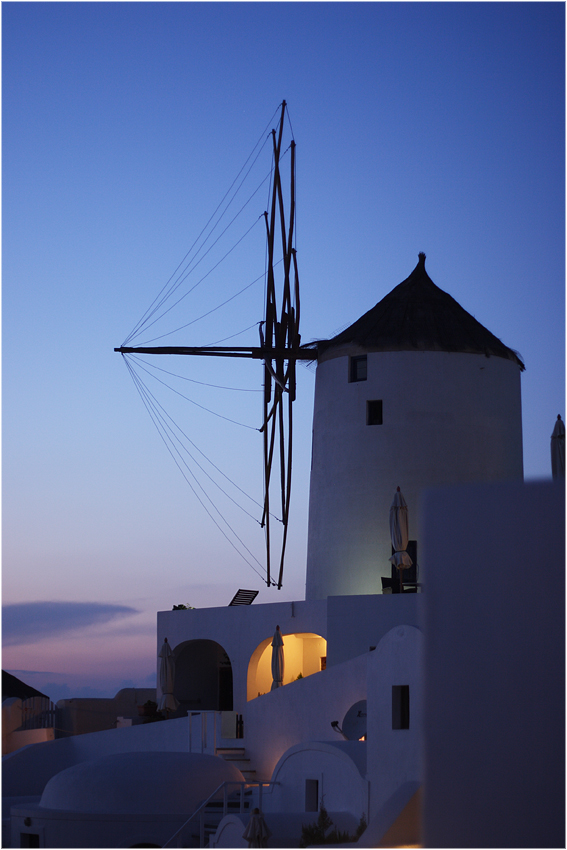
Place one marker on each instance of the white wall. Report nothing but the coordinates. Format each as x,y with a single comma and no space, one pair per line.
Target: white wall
448,418
11,715
394,755
339,769
13,738
70,829
495,666
26,771
374,616
301,711
240,629
24,737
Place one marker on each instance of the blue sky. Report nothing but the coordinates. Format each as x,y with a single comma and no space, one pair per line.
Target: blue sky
435,127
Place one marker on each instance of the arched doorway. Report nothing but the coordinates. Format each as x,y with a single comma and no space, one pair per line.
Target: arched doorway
305,653
203,676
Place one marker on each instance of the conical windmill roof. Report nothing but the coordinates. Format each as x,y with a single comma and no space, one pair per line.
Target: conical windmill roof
418,316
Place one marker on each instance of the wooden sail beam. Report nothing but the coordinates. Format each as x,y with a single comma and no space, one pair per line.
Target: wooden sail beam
254,352
280,344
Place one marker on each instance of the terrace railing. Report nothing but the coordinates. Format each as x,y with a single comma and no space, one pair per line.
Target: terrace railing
38,713
238,805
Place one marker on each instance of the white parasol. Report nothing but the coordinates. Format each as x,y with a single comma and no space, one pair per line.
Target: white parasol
399,534
257,832
277,660
167,701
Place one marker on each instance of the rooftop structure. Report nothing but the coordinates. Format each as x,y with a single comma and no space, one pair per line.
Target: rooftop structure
418,316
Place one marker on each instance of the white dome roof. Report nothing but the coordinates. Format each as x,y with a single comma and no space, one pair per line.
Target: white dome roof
139,783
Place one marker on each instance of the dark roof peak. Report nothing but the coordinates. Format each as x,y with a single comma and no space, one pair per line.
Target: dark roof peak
419,316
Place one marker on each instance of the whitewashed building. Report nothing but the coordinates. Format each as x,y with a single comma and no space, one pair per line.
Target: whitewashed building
416,394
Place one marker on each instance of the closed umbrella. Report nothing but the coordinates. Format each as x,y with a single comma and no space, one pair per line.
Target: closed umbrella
257,832
399,534
558,450
167,701
277,660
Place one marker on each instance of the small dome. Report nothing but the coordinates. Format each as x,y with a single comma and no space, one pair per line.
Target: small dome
138,783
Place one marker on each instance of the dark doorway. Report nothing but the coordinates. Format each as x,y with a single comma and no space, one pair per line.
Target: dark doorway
203,677
225,687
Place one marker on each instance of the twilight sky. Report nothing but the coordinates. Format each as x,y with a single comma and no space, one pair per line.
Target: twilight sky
435,127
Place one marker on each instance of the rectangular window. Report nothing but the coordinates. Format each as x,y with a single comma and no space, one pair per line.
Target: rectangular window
374,412
311,795
358,368
29,839
400,706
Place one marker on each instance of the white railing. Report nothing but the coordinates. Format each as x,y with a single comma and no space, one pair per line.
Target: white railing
200,738
200,812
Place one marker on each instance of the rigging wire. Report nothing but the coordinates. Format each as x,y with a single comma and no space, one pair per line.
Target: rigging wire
289,121
187,271
163,415
263,137
199,499
232,336
183,274
193,380
208,410
208,313
157,404
195,285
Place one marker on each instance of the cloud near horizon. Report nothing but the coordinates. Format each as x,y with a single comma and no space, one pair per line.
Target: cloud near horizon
25,622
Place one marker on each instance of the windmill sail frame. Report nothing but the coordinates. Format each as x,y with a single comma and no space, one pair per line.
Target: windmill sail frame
280,348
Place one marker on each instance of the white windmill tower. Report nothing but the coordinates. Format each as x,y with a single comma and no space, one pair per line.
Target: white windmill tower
415,393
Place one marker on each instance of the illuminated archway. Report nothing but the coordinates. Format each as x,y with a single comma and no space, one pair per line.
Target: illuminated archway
305,653
203,676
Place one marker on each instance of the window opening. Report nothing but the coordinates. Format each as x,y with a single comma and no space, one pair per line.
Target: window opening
374,412
400,707
358,368
311,795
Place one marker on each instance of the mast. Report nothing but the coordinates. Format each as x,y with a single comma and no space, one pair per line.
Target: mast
280,347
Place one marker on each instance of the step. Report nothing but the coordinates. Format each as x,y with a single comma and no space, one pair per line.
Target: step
216,805
222,751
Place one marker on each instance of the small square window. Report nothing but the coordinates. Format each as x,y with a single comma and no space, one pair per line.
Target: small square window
374,412
358,368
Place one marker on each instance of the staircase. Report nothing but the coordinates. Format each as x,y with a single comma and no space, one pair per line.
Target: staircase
237,756
214,813
238,802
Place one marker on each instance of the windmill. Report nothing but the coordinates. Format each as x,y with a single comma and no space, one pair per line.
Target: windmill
279,350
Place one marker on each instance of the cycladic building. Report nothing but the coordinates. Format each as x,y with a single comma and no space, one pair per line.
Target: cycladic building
416,393
374,716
